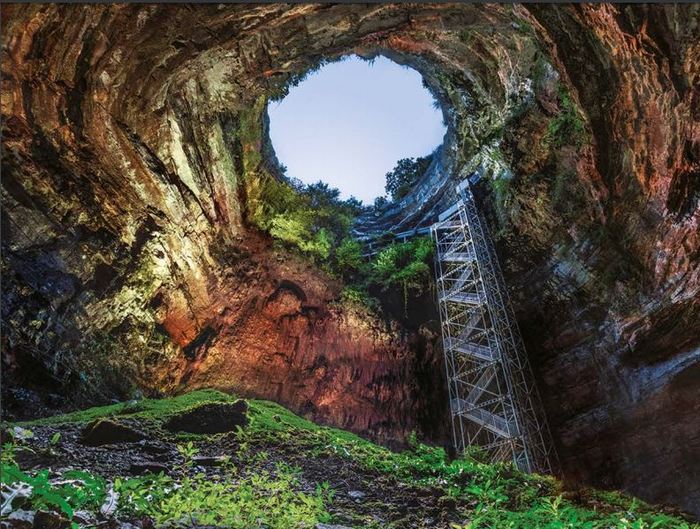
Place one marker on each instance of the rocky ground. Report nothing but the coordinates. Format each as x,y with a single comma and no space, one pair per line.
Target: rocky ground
133,446
209,437
360,494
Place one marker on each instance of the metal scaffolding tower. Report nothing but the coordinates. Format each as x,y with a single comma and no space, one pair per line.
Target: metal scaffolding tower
493,398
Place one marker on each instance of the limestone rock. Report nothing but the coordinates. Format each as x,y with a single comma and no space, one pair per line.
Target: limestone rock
210,418
108,431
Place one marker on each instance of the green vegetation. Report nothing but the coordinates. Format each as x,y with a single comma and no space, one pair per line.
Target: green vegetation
401,178
310,218
404,264
264,499
78,491
348,257
149,409
490,495
314,220
567,127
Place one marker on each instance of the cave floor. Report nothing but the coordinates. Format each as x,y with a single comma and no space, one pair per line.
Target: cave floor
361,496
371,486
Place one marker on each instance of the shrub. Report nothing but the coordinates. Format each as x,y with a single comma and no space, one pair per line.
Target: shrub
298,231
405,265
349,257
76,490
310,218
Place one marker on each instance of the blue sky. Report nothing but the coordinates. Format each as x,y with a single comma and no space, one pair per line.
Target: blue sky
349,123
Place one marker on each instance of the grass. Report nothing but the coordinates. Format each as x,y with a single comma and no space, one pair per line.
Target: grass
146,408
497,494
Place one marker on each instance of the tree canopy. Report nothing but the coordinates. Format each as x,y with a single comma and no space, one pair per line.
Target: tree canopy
405,174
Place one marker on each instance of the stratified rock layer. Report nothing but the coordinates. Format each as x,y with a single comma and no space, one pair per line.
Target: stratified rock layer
132,139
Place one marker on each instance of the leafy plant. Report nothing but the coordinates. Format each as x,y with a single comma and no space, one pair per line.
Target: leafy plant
188,452
7,456
404,265
348,256
310,218
269,500
74,491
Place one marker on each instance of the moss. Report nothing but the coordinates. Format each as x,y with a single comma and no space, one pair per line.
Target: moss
146,408
567,127
500,495
502,191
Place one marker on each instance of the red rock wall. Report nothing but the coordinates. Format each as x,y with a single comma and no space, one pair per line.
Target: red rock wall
127,259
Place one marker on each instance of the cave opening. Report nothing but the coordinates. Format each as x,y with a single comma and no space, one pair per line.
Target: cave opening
172,186
348,122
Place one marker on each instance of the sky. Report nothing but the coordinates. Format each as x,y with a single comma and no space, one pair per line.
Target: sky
349,123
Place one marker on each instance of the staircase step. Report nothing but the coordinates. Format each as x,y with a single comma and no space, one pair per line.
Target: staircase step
492,422
480,352
458,257
464,297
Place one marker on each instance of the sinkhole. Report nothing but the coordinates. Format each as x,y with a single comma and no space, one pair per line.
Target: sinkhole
348,123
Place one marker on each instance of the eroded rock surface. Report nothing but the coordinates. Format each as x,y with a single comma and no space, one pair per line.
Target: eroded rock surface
108,432
210,418
131,163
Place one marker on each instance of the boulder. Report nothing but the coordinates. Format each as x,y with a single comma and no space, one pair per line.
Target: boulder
107,431
210,418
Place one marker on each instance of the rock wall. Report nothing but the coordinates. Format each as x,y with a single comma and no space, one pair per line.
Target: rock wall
131,162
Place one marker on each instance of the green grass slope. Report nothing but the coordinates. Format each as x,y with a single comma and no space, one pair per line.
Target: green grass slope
282,471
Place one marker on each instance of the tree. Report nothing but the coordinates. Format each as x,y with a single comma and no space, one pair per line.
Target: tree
405,174
380,203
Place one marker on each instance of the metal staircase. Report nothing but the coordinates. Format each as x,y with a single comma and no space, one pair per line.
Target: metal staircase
493,399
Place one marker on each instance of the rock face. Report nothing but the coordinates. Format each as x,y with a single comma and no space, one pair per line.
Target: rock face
134,147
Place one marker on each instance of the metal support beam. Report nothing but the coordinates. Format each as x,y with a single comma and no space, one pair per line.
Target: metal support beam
493,398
